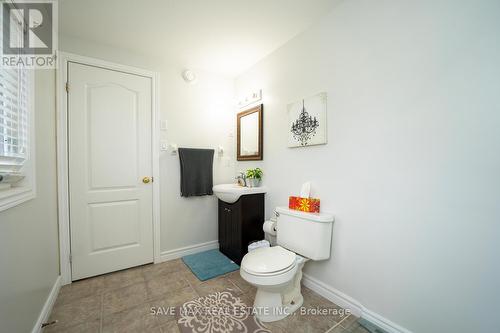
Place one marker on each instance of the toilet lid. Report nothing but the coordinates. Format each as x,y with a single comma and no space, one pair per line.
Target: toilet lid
268,260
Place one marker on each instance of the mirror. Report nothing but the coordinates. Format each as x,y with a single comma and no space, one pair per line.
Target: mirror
249,127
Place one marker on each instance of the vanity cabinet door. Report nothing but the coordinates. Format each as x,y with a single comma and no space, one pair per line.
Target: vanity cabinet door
230,230
234,232
223,216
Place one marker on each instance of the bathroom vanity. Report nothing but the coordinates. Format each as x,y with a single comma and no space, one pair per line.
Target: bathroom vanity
241,216
240,223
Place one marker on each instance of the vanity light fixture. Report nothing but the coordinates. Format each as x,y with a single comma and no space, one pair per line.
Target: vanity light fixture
251,98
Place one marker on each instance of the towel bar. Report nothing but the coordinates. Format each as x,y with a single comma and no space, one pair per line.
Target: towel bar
174,149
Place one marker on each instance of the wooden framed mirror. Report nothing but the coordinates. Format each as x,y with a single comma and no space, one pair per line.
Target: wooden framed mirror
249,134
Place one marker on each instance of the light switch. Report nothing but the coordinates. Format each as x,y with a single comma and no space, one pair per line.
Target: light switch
163,145
163,125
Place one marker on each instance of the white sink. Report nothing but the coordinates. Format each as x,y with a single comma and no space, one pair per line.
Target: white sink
230,193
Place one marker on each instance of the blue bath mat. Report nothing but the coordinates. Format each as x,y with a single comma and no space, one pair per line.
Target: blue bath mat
209,264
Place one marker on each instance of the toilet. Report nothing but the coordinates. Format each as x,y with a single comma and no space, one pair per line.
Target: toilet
276,271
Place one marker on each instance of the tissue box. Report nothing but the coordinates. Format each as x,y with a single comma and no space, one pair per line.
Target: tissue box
308,205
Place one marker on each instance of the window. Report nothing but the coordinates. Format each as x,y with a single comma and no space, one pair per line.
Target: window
16,134
13,119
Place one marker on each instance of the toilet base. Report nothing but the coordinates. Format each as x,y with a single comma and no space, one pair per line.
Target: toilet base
268,305
275,303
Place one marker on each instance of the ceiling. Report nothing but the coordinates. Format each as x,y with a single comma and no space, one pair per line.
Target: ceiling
221,36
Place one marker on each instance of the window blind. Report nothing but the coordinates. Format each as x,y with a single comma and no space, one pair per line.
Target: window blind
14,117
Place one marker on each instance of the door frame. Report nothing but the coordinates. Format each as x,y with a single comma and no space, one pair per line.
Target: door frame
63,59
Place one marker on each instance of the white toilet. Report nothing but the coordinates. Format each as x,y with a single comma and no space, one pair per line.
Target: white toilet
276,271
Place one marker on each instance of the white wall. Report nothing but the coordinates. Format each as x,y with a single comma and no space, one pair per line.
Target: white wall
411,168
199,115
29,258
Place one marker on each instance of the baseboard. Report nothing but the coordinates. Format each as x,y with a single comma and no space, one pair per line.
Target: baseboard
333,295
184,251
350,303
382,322
47,307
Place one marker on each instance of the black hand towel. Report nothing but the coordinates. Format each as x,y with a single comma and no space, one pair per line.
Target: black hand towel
196,171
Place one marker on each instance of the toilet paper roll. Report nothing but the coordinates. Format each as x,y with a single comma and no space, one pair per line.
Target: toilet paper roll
269,227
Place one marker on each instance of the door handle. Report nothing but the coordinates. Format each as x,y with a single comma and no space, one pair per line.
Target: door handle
147,180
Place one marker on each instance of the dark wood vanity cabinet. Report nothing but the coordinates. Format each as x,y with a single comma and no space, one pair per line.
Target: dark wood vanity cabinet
240,223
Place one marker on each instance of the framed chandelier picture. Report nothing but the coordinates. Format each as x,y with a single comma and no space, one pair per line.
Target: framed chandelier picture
307,121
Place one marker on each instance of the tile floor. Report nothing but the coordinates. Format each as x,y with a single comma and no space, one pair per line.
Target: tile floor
122,301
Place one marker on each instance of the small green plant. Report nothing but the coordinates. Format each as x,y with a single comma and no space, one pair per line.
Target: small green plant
255,173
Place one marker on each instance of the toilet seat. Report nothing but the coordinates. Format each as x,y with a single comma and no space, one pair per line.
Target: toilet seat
268,261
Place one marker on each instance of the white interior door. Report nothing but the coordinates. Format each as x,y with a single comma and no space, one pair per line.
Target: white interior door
109,133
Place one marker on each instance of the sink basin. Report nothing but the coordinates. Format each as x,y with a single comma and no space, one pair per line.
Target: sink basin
230,193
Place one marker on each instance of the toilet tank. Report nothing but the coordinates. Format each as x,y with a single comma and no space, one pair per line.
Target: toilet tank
307,234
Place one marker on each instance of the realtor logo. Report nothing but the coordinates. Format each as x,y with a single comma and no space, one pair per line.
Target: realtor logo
29,33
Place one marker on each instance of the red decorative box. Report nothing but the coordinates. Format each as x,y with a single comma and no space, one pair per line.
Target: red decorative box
308,205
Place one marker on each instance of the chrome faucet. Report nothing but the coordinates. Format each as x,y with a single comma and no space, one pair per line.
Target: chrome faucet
242,179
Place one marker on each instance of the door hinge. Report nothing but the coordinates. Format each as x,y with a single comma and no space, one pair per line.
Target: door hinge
49,323
70,258
67,86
